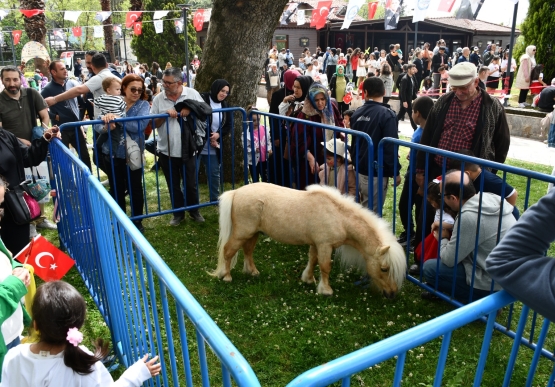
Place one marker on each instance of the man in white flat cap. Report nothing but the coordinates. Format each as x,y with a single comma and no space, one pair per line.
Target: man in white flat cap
465,118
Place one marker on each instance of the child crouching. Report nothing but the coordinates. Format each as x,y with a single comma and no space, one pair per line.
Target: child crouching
337,172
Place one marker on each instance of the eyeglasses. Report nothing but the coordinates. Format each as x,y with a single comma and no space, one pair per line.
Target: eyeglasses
168,83
134,90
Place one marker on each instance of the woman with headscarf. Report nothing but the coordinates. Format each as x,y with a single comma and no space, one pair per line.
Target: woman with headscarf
338,88
219,126
527,64
292,103
306,149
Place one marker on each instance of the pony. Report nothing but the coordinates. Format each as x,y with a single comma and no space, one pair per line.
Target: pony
319,217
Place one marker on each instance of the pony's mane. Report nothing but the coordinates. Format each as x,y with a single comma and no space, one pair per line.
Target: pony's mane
396,256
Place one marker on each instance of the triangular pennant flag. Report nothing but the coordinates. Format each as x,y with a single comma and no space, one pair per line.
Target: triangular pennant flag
72,15
178,26
77,31
198,20
98,32
131,18
420,10
372,8
102,16
16,36
138,28
352,9
287,13
49,262
31,12
320,14
3,14
446,5
59,34
160,14
392,12
118,34
301,17
158,26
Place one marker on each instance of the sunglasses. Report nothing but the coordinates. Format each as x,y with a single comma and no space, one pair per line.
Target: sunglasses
134,90
52,132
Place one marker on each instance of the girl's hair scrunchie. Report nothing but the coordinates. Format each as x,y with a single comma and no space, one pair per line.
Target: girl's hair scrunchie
74,336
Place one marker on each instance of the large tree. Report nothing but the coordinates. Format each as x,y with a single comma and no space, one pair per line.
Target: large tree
538,30
165,47
239,36
35,28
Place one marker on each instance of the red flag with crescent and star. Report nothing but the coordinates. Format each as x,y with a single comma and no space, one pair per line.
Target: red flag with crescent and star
77,32
16,36
132,17
31,12
50,263
198,19
320,14
372,8
138,28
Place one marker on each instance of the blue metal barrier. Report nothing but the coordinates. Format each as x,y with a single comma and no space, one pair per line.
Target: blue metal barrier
128,183
75,228
140,288
504,169
396,347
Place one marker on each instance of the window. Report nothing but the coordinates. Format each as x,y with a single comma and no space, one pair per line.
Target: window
281,42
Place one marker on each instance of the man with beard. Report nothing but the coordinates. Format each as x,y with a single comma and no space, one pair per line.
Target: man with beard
17,105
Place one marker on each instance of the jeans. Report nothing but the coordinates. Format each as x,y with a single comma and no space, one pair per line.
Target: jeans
363,189
121,182
182,174
260,170
445,281
212,169
436,78
405,212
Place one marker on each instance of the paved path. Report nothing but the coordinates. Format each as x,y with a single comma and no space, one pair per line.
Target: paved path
521,148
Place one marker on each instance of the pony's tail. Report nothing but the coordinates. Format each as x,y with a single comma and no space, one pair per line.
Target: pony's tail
349,257
226,202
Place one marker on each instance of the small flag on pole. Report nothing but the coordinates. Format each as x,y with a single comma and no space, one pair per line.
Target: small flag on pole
49,262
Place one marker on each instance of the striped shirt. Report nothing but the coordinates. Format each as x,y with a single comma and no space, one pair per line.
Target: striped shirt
111,104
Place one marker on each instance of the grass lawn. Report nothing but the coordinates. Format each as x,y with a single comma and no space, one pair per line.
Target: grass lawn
283,327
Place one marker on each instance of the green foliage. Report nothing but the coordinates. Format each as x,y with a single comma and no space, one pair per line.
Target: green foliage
537,30
201,3
167,46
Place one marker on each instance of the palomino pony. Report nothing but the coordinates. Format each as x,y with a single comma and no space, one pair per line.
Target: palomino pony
319,217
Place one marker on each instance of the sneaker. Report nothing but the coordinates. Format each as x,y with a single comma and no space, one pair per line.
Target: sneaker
522,105
414,269
534,105
402,238
33,231
196,216
429,296
177,219
46,224
105,182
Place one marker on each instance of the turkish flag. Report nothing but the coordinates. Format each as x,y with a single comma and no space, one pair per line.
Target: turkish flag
132,17
198,19
372,8
31,12
446,5
138,28
55,265
16,36
77,32
320,14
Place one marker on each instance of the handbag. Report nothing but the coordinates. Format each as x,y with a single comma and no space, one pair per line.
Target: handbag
21,205
39,188
133,154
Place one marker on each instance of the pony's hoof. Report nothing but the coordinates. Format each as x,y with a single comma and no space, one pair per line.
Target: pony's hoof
307,279
255,273
227,278
325,290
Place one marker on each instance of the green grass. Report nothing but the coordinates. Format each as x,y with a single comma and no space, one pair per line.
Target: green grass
283,327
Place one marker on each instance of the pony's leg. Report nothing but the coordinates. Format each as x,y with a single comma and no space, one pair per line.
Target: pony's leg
308,273
248,249
324,261
230,249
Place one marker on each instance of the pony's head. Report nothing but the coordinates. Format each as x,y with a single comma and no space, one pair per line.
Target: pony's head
387,268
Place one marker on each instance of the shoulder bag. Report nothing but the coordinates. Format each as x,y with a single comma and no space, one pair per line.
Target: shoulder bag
38,131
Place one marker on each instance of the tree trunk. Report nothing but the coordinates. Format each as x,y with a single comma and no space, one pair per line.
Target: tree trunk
35,28
108,31
239,37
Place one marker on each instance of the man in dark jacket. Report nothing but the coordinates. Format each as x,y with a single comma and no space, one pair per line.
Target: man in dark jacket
441,58
465,118
377,120
475,57
407,93
395,63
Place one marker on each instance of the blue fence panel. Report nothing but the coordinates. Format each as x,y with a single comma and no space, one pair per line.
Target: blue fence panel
148,304
76,231
343,368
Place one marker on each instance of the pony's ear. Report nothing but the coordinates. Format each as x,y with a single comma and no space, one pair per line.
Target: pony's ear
382,250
